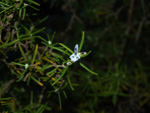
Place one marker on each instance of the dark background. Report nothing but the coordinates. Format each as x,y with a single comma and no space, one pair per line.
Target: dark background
117,33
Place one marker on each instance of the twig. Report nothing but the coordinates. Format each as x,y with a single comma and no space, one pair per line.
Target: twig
141,23
15,99
7,86
41,96
129,17
73,18
14,30
139,29
1,24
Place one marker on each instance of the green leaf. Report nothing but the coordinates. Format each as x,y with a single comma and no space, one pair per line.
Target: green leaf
15,73
41,109
52,71
70,82
31,98
38,31
35,52
9,44
106,94
9,36
19,64
59,98
29,77
45,78
22,75
2,3
21,50
34,7
27,30
59,49
115,99
57,56
20,12
84,55
38,82
21,1
7,9
33,2
48,37
41,20
53,37
82,41
65,94
86,68
66,47
8,98
123,94
24,13
44,68
27,108
45,41
63,72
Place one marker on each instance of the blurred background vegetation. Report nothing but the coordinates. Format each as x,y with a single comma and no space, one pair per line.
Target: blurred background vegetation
116,31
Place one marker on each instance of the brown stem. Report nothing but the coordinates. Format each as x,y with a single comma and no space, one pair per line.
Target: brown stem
6,86
129,17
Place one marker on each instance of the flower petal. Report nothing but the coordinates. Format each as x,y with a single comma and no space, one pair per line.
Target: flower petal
74,57
76,49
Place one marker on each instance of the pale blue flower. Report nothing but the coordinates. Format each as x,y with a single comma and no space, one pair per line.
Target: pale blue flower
75,56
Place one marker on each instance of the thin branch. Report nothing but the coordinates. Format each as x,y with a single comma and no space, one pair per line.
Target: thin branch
129,17
141,23
41,96
73,18
7,85
139,30
15,99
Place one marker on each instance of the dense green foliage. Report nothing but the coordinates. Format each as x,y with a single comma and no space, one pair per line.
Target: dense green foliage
37,75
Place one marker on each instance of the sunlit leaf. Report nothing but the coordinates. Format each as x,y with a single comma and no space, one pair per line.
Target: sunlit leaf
21,50
33,2
82,41
68,78
59,98
38,82
62,74
9,44
16,63
66,47
52,71
41,109
35,52
89,70
2,3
